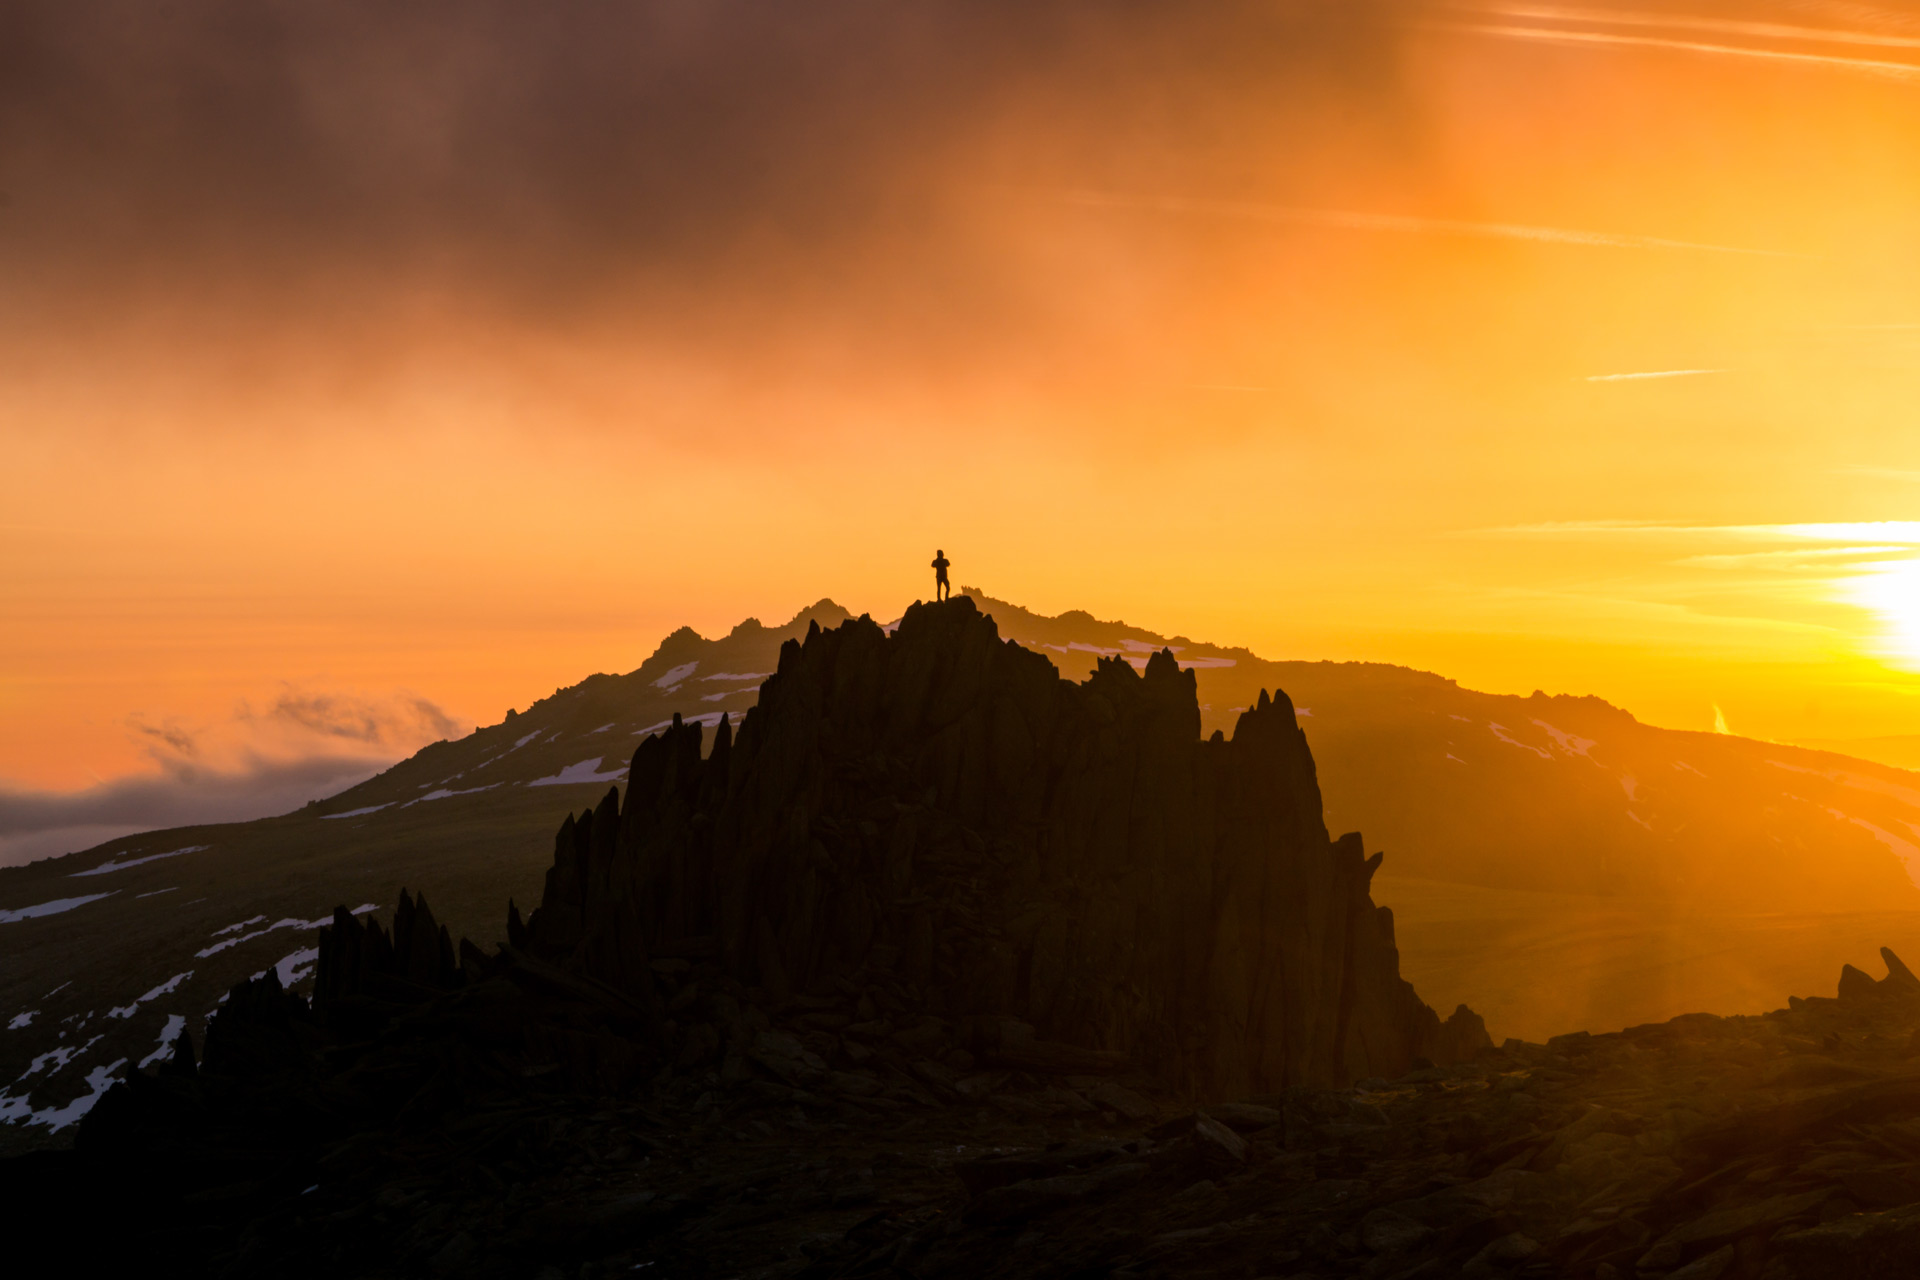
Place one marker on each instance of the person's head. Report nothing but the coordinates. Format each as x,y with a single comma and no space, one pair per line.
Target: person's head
938,553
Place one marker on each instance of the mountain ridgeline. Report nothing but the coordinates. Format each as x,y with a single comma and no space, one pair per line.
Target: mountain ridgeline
1063,873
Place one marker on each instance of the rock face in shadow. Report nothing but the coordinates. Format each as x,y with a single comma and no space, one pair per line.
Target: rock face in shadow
1066,872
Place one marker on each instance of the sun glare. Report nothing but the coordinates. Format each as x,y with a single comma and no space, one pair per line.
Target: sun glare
1891,590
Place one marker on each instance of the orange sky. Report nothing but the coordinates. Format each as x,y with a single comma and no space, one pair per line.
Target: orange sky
346,365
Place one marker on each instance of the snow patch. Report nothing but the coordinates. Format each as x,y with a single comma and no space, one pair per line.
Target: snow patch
1860,781
293,968
523,742
53,908
19,1111
1455,758
288,923
707,719
168,1034
1637,818
58,1057
1464,719
105,867
164,989
1571,743
585,771
1682,764
672,679
1302,711
21,1019
1500,732
443,793
602,729
154,893
1906,850
1630,785
738,675
355,813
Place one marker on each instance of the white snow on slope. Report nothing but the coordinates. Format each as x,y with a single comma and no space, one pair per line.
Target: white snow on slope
1861,781
53,908
168,1034
738,675
294,968
164,989
672,679
1571,743
585,771
355,813
1500,732
288,923
707,719
443,793
58,1057
1905,850
1630,785
19,1111
21,1019
105,867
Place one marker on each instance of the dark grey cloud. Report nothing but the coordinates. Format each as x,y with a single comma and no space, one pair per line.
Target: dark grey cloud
168,742
556,154
404,719
39,824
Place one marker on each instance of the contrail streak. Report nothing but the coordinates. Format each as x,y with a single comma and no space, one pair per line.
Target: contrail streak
1549,35
1662,373
1725,26
1354,221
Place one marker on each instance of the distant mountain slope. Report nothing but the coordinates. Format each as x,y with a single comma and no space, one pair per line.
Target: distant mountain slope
1559,793
1565,798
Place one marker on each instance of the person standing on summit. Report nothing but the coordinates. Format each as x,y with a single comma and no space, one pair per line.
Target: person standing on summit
942,589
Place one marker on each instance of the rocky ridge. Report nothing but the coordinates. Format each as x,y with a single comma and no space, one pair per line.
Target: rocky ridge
581,1103
1041,862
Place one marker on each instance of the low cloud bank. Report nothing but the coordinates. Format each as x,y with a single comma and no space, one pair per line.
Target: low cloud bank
43,824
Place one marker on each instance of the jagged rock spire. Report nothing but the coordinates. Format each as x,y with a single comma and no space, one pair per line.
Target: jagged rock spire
940,808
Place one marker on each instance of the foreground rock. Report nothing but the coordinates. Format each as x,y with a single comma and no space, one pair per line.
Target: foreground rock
1780,1147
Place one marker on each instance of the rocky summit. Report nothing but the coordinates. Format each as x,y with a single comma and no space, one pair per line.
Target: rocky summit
944,966
1052,871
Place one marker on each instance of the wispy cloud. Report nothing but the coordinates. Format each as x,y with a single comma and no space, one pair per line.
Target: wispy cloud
168,742
355,719
1352,220
1658,373
37,824
1902,71
1690,22
1901,533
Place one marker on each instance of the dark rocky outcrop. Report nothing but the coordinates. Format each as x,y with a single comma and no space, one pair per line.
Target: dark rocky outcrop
1059,869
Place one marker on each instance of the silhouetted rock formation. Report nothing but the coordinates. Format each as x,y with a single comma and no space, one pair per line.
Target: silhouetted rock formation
1060,872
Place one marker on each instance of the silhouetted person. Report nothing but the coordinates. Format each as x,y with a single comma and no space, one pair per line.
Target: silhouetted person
942,589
